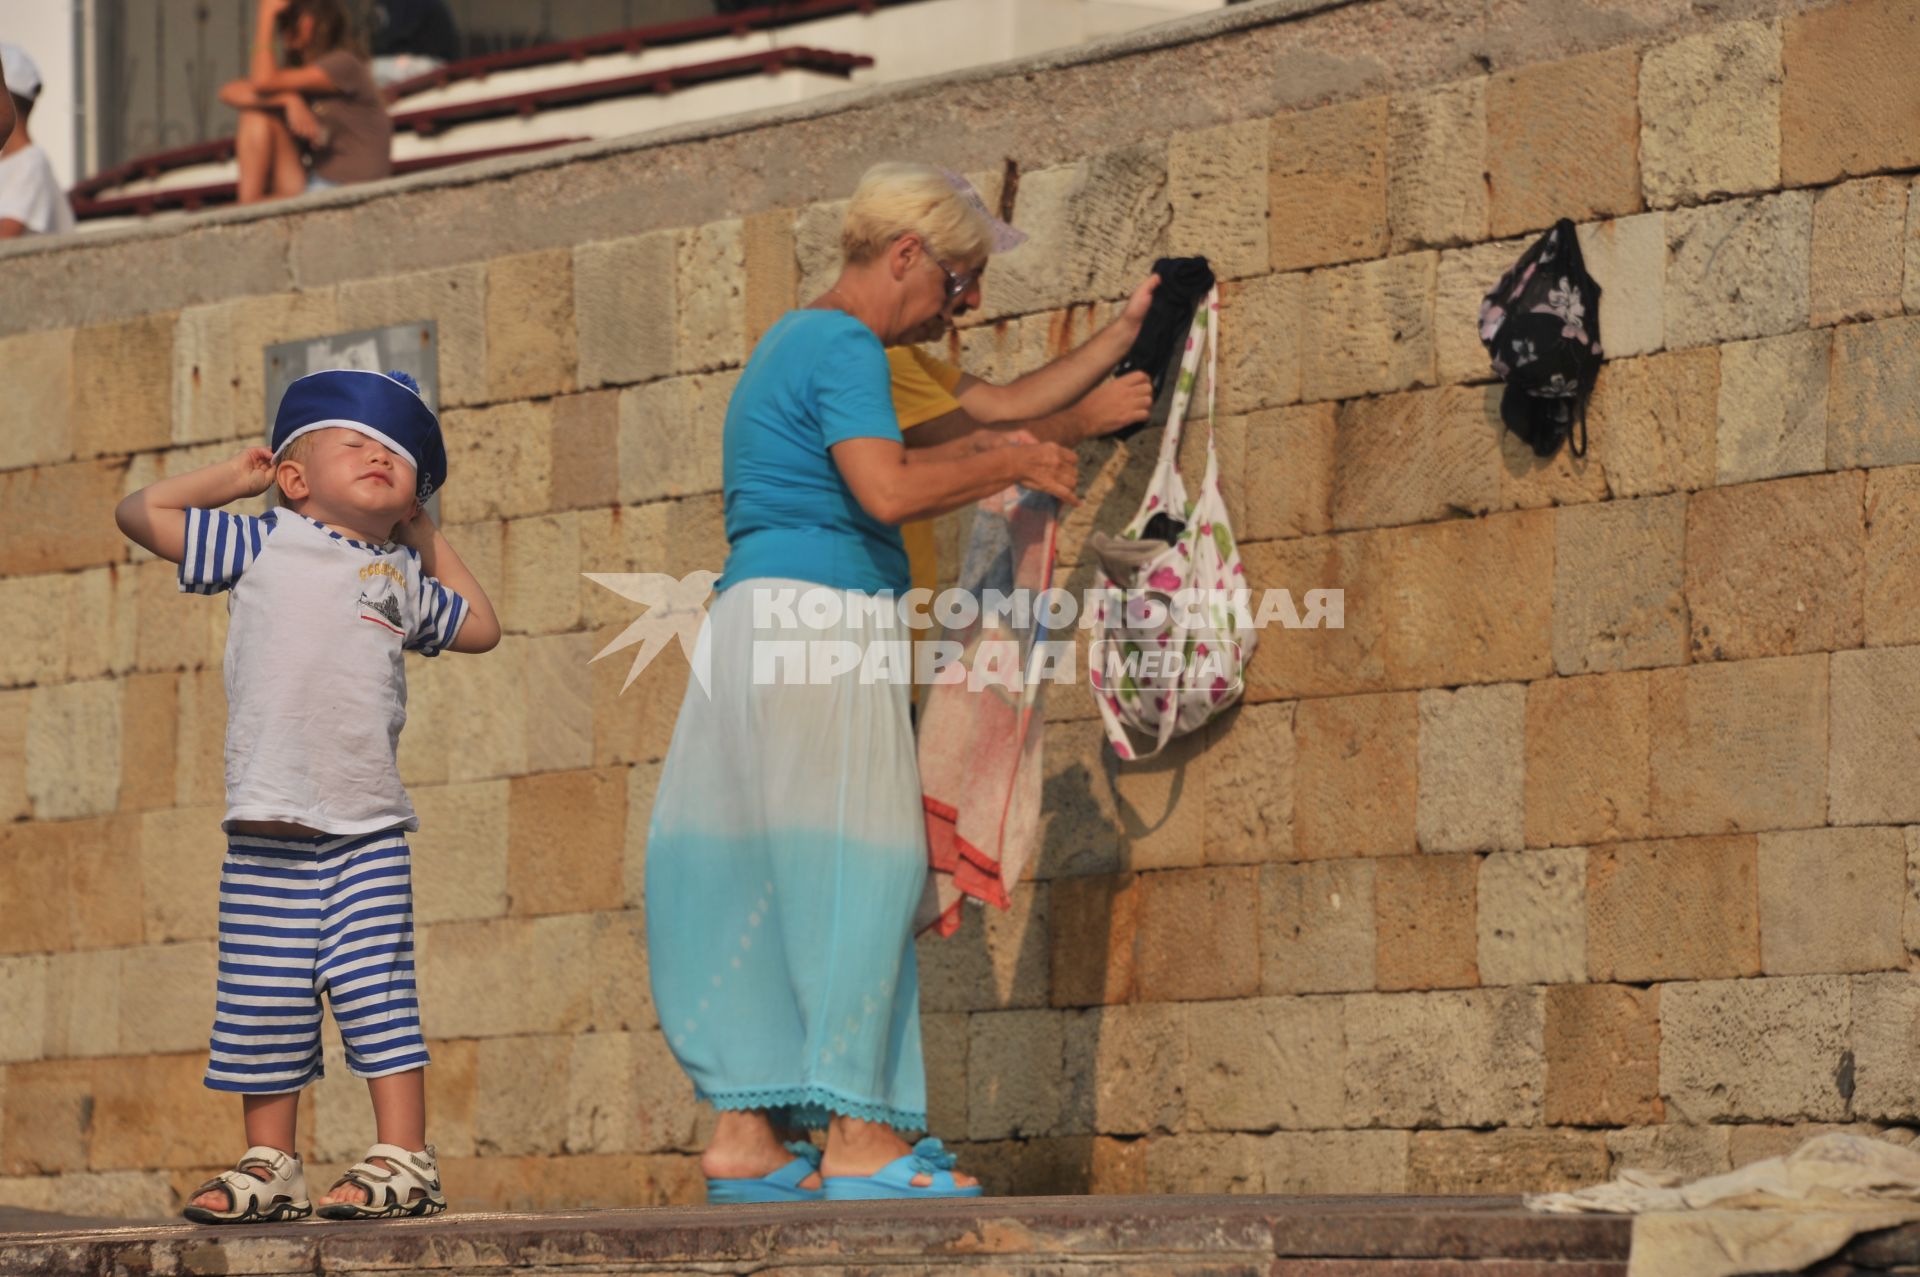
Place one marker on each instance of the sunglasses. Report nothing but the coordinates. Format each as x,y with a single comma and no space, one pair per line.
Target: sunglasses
958,285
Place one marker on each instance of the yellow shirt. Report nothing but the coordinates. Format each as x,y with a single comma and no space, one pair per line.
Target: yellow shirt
922,391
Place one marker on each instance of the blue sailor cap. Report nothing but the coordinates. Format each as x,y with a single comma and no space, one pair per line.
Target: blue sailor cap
381,405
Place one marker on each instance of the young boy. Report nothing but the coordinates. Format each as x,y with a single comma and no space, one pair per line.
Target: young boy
327,592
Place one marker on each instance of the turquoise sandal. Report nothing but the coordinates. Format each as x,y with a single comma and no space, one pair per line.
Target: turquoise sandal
781,1186
895,1179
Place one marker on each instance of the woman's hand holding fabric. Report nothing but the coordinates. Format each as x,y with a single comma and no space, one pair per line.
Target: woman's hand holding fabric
1114,404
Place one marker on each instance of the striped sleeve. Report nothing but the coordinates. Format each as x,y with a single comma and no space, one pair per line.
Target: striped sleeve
438,613
219,547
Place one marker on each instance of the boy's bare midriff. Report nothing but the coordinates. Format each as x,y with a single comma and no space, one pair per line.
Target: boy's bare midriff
276,829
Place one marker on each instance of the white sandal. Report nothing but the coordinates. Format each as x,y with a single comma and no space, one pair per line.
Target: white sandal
390,1189
252,1200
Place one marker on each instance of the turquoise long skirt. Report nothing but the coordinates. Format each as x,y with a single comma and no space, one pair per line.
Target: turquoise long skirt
785,857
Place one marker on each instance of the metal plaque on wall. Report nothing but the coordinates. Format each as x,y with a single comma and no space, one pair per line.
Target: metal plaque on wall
409,348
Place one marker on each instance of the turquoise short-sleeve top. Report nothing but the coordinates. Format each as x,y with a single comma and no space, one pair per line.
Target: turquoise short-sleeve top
817,378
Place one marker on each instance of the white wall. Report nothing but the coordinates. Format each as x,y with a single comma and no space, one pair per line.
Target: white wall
45,29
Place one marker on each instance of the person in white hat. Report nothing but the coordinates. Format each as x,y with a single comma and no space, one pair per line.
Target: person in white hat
31,201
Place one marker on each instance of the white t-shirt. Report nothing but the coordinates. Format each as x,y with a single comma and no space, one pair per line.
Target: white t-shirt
31,195
316,679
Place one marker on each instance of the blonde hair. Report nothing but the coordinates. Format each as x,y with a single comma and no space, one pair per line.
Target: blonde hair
895,199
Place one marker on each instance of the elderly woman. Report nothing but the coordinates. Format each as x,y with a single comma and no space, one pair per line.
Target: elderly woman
787,848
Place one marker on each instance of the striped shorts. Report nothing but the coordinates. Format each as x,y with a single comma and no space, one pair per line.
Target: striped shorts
300,917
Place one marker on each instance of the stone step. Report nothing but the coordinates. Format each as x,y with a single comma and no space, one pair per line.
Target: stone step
1274,1236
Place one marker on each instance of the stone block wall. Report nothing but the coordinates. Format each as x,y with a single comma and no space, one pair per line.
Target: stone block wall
1588,841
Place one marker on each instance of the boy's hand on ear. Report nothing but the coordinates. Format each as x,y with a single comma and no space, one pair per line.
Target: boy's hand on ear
416,529
252,471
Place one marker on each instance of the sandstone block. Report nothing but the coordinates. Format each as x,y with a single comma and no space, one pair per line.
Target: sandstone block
1709,110
200,746
1777,568
1424,915
1264,335
1886,1016
148,709
1161,803
23,1008
621,539
1322,660
1217,181
1079,830
1679,909
1436,166
522,1105
166,997
1767,1050
1204,1164
772,274
626,333
49,1108
1472,769
542,588
1509,1161
1892,590
1334,1162
1849,92
1691,1152
1532,914
643,785
560,702
1290,463
1095,930
83,1011
1618,578
1126,1067
73,749
1910,293
1773,407
14,804
710,283
104,903
1873,749
1317,927
1859,253
816,247
460,852
151,1112
499,462
1652,423
1374,329
1459,1058
1355,792
1603,1055
1529,481
1014,1079
1471,600
37,422
944,1040
1587,759
122,387
1874,394
586,437
1105,219
467,970
1830,900
1249,786
1415,458
33,628
634,723
1265,1063
531,347
1199,934
453,298
1739,269
566,841
483,706
52,518
1327,192
670,436
181,852
1562,141
1740,745
1627,257
219,360
997,960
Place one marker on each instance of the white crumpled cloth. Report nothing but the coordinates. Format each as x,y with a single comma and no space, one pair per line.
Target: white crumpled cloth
1777,1215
